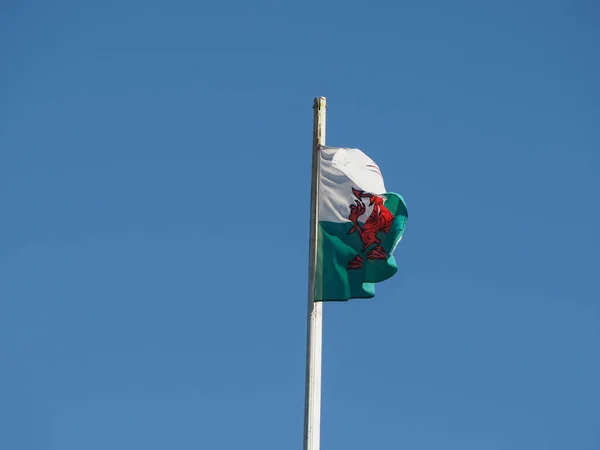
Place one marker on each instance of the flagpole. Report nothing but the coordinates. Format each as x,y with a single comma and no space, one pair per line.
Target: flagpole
314,339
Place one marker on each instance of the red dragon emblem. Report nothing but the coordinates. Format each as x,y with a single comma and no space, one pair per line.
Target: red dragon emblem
380,220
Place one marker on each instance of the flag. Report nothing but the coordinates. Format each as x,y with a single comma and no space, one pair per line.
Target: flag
360,224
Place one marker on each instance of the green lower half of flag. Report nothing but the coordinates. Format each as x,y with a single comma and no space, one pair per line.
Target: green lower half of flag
350,260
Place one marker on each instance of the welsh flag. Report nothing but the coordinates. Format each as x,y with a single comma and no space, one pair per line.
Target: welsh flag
360,225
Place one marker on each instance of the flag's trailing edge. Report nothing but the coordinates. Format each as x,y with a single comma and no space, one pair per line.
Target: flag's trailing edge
360,225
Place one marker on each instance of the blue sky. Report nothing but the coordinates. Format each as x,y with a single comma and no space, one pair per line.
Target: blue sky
154,187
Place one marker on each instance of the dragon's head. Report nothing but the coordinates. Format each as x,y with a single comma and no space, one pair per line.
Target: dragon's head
373,199
376,200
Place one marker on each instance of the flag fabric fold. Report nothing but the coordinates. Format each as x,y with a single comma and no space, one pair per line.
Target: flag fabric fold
360,225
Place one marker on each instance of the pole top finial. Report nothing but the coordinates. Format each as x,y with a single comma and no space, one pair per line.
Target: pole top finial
320,102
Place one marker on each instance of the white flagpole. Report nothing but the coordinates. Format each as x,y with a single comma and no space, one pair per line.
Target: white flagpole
314,341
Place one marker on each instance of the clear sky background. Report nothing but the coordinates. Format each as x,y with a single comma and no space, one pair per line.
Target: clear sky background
154,198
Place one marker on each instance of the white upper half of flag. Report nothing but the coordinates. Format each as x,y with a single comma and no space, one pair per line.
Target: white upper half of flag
342,169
